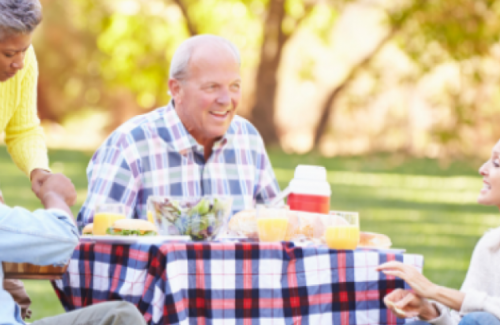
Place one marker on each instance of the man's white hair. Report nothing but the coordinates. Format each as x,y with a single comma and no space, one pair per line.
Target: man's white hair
19,16
180,60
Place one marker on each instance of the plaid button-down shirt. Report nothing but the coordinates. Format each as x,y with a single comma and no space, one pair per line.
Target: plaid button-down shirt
154,154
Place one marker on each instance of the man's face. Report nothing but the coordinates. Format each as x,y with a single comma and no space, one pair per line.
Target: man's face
12,51
206,100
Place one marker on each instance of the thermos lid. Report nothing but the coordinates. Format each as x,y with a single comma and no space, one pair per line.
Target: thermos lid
311,173
310,180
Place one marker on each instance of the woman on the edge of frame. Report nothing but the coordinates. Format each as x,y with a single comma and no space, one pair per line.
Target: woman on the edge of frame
478,301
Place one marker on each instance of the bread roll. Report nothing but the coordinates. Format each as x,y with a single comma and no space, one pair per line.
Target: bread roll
244,223
373,240
88,229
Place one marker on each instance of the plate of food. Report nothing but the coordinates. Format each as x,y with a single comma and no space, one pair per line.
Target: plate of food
129,231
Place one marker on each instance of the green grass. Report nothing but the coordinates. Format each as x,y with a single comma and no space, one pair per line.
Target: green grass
424,206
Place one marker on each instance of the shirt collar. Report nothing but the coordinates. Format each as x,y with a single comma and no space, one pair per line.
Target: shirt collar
183,141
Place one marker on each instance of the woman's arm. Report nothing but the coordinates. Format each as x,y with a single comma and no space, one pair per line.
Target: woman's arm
23,135
415,303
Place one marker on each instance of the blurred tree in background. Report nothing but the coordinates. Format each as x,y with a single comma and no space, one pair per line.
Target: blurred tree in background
113,56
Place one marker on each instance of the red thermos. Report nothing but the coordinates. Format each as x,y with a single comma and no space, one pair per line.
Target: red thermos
309,190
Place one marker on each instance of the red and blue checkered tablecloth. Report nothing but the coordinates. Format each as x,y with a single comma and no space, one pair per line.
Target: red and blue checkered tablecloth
235,283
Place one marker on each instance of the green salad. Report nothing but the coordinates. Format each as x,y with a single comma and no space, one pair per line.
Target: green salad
199,218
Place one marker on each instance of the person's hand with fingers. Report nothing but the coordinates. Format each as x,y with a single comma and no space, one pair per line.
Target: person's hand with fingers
38,177
2,201
419,283
406,304
59,185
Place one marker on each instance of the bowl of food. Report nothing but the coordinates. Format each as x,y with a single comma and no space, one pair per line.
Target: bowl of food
200,218
23,271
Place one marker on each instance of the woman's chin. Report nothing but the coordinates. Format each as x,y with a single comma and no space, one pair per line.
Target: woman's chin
484,200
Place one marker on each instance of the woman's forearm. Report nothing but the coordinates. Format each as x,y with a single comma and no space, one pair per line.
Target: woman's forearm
449,297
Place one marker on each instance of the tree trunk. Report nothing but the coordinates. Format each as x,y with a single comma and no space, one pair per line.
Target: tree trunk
43,103
189,22
266,83
329,104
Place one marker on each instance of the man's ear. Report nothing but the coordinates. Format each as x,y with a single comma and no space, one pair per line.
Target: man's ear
174,89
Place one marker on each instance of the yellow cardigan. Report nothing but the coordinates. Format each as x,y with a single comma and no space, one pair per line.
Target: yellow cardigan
18,118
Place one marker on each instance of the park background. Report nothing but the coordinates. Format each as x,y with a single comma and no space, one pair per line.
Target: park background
398,99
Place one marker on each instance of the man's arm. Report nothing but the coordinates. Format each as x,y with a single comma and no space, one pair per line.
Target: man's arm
112,179
43,237
267,185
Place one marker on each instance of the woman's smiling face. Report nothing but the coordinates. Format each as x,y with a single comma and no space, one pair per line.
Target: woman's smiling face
490,170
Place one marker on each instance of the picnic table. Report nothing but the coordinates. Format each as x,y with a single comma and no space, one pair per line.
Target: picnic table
235,283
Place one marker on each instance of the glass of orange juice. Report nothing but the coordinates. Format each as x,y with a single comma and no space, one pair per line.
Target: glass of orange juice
342,230
272,223
105,215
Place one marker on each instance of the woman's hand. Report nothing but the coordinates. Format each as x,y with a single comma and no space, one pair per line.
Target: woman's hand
2,201
421,286
59,185
406,304
38,177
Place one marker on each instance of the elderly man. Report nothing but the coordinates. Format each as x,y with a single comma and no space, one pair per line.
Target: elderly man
194,146
46,237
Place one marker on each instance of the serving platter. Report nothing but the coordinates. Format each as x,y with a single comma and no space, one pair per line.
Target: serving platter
134,239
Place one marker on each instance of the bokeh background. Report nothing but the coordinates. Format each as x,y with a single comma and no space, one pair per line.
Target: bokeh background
398,99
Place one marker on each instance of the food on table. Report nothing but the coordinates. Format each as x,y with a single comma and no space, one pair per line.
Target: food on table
399,311
244,223
301,225
88,229
132,227
200,218
342,236
103,220
374,240
305,225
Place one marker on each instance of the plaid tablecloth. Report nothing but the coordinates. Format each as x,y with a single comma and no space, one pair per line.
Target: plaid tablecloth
234,283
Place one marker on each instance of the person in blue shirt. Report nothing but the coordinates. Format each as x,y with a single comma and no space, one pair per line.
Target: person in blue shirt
48,237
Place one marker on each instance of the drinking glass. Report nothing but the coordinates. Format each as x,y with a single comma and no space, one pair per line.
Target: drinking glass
105,215
272,223
342,230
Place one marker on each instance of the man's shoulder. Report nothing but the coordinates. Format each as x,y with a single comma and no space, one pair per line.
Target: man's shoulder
135,129
242,126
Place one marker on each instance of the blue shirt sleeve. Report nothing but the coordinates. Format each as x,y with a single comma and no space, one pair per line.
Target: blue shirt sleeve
42,237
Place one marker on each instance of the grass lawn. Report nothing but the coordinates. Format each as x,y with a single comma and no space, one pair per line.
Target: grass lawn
423,207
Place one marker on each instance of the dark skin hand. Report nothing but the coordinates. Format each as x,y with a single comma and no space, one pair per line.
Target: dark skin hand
38,176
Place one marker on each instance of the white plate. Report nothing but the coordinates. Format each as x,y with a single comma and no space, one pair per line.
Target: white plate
133,239
385,250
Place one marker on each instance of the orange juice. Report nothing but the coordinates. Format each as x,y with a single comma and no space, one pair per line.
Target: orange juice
150,217
342,237
104,220
272,229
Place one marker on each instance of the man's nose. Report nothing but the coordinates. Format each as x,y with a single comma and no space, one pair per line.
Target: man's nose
224,97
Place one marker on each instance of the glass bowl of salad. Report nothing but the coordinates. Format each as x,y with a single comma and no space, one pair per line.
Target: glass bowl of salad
200,218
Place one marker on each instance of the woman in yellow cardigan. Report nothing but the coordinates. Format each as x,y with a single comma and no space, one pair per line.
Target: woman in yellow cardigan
18,86
18,106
